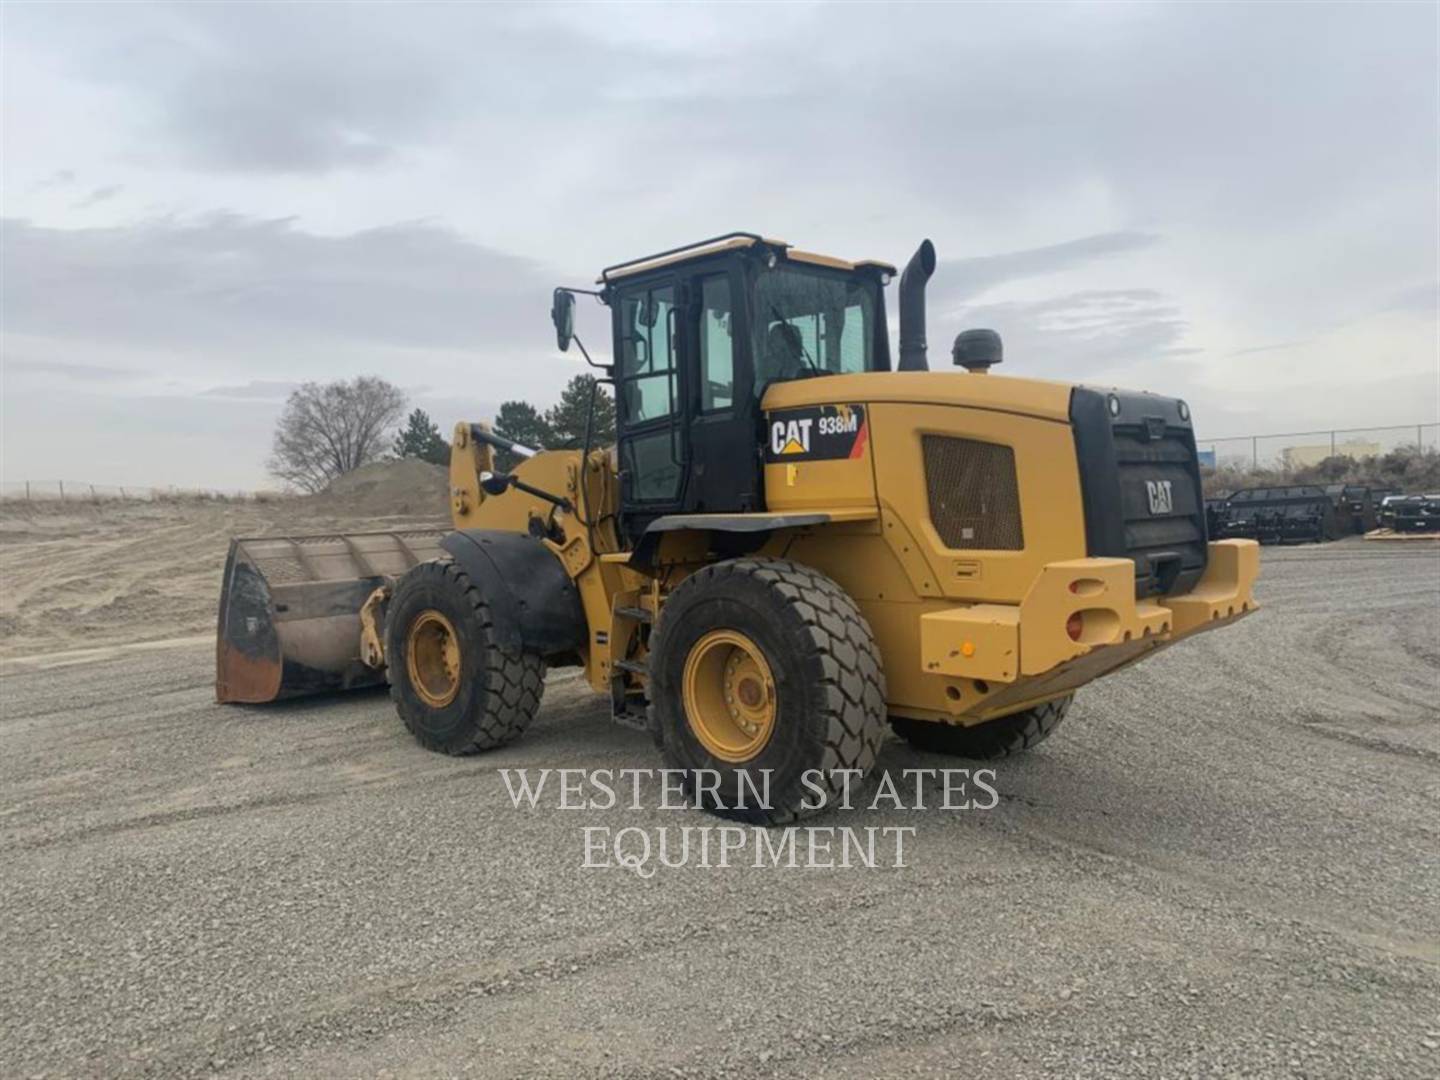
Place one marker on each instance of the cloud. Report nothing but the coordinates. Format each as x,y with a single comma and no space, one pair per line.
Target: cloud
99,195
1419,299
1279,346
254,390
1082,335
194,329
253,88
71,370
228,282
58,179
302,90
957,279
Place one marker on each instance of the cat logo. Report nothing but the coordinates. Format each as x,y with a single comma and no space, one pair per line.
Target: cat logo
817,433
1161,498
791,436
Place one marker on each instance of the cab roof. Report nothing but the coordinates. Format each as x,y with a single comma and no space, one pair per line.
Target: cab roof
732,242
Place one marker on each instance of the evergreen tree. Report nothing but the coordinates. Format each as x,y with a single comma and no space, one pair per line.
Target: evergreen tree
567,418
521,422
420,438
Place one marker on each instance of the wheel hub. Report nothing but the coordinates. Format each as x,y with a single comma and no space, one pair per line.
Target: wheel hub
432,658
729,695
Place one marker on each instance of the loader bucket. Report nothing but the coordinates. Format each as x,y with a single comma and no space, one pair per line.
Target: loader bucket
290,610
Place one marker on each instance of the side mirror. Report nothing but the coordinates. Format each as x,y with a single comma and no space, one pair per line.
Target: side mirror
562,314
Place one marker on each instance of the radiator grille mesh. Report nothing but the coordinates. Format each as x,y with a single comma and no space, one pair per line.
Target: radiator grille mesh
974,500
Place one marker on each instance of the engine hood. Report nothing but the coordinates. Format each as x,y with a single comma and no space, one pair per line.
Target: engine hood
1029,397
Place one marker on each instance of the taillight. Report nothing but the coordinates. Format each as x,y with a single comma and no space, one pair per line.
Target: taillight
1075,626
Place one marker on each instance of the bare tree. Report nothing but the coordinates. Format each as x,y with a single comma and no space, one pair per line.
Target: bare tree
327,431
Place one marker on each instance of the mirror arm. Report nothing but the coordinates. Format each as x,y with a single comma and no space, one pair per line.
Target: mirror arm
586,353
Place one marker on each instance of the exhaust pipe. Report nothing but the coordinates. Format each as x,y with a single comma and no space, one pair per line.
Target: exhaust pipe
912,307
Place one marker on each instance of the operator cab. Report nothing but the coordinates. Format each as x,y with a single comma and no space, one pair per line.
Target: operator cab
699,333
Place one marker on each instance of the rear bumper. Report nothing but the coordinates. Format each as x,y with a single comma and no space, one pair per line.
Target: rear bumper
1026,643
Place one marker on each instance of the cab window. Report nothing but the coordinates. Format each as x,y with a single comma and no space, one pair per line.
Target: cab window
647,390
812,323
717,345
647,383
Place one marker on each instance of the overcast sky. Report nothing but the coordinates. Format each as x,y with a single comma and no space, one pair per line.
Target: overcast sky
207,204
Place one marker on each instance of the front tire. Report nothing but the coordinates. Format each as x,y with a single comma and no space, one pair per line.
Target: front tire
454,686
992,739
763,664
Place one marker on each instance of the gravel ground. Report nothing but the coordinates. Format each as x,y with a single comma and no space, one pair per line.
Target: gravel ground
1227,862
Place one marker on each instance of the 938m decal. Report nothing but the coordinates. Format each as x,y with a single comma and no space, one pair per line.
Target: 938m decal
816,433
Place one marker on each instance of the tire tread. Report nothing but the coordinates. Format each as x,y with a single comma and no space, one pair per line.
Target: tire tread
1000,738
852,677
515,680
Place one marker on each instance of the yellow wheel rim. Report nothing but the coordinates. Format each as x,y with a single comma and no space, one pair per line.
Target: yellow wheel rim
729,695
432,656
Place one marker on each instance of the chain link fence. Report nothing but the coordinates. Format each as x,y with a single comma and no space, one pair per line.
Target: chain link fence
1286,453
56,491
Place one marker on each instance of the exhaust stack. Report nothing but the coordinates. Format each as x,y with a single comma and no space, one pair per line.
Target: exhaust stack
912,307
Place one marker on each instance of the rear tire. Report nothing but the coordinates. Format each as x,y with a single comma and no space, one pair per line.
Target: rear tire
994,739
456,689
804,673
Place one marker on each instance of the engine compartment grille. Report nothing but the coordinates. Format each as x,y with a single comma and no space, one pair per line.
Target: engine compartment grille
974,497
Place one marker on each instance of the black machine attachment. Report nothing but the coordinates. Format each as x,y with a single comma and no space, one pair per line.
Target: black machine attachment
977,351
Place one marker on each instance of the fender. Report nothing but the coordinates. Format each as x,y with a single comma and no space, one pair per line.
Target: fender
755,526
533,603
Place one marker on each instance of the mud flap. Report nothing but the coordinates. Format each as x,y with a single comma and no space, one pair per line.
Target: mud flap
290,610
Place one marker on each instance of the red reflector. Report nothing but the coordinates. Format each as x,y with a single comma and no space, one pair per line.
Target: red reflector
1074,626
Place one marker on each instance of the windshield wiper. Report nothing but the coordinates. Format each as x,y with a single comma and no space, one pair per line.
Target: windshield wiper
803,351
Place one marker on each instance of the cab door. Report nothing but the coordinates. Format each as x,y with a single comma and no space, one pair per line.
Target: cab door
651,436
723,415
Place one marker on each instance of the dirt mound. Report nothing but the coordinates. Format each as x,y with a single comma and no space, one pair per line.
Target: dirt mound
114,572
84,575
408,487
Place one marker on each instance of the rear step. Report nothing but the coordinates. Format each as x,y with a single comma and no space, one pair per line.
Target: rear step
629,707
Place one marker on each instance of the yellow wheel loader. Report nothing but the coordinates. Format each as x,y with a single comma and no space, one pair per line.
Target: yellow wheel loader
794,543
